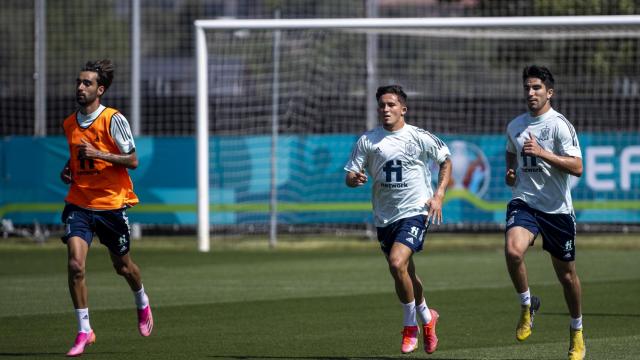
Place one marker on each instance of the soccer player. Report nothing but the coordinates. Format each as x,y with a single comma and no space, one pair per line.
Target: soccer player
396,155
542,153
101,149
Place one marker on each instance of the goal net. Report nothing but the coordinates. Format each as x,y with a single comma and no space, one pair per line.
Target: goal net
281,103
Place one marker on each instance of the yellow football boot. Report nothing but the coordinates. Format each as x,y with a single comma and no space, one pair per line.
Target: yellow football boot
577,349
523,331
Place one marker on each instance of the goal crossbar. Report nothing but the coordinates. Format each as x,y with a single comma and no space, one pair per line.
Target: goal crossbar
447,22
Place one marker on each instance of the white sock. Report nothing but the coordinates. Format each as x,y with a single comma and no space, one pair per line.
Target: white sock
525,298
142,300
423,312
83,320
576,324
410,314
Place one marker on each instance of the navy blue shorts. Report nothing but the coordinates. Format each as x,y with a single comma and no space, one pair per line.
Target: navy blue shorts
111,226
558,230
408,231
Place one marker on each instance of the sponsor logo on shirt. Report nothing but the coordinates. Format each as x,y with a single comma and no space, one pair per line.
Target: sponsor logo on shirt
532,170
394,186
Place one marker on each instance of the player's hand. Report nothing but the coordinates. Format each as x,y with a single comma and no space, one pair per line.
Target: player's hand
435,210
357,178
65,174
510,178
531,146
87,151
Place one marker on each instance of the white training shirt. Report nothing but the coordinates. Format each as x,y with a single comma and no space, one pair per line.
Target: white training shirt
398,164
119,129
540,185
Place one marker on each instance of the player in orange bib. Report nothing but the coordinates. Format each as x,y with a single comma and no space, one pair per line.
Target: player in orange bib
101,149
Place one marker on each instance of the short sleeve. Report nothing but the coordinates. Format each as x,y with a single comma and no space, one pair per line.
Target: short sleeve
358,158
567,140
121,134
433,147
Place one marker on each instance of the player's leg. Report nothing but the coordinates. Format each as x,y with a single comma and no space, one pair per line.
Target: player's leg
428,316
559,231
418,293
77,250
77,238
568,277
113,230
126,268
519,236
517,242
398,259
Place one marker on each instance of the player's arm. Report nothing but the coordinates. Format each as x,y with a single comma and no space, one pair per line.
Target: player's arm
88,151
120,132
568,164
435,203
511,160
65,174
355,179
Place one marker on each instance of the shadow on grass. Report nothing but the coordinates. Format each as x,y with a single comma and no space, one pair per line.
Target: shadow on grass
29,354
239,357
53,354
589,314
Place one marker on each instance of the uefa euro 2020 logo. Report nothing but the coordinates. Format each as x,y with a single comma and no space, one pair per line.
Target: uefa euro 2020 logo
471,170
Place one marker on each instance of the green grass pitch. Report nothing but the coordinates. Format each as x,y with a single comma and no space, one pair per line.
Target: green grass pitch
315,299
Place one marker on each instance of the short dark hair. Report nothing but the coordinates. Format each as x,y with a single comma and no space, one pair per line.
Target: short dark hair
104,68
392,89
540,72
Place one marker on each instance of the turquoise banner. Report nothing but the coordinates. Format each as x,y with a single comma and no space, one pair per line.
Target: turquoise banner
310,180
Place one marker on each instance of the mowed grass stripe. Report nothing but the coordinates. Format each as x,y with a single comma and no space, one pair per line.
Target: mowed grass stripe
474,325
183,277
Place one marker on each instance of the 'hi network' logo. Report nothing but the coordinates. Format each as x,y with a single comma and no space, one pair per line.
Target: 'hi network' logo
391,168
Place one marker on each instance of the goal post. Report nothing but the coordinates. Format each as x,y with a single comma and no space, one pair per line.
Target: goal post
247,74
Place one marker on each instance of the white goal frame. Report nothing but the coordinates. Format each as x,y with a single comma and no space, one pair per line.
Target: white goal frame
202,101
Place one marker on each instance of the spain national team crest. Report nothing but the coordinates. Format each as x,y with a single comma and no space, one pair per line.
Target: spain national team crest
411,149
544,134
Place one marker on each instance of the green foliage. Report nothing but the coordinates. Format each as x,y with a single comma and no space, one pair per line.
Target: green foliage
91,31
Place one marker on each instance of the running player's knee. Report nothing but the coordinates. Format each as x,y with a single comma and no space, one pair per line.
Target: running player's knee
568,279
76,268
122,269
397,265
514,255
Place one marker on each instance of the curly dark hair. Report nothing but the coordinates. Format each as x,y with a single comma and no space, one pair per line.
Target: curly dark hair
539,72
104,68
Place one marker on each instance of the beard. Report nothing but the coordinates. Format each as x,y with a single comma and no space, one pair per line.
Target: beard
83,100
